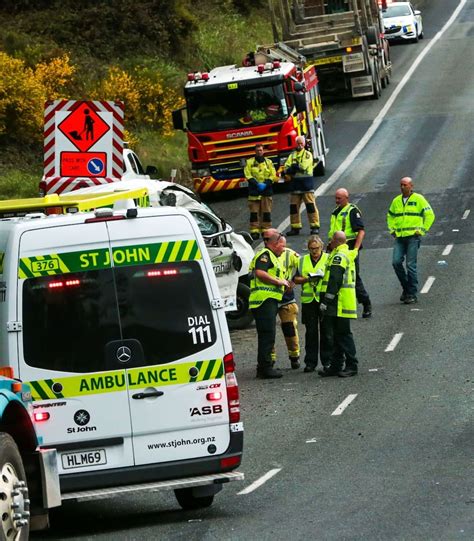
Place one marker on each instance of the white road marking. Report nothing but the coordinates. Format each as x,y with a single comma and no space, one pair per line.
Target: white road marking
466,214
374,369
343,405
429,282
312,440
259,482
448,249
394,342
455,230
382,114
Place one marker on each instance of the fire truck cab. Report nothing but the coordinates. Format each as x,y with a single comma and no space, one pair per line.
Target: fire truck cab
231,109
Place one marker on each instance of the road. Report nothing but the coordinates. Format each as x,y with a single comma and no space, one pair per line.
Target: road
397,462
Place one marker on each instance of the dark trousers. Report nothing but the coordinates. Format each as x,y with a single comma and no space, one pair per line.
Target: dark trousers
310,319
361,292
265,321
337,343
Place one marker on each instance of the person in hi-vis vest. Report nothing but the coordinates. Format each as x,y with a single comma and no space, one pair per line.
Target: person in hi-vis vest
338,305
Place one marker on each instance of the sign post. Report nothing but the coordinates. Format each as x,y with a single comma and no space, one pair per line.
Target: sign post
83,144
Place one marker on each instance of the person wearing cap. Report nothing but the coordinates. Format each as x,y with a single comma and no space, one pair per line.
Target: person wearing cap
311,270
260,174
409,218
267,285
299,166
338,305
348,218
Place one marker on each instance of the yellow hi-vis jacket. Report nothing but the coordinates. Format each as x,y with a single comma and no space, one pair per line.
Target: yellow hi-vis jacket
342,222
310,289
346,296
415,215
304,160
260,291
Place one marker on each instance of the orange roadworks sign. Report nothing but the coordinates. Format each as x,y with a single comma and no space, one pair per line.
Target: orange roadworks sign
83,127
83,164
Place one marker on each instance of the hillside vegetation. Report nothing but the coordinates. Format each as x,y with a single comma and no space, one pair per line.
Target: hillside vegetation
138,52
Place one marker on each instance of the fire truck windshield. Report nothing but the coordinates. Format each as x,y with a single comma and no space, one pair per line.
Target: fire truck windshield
224,109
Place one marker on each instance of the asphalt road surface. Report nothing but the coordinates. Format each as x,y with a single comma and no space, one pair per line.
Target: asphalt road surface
388,454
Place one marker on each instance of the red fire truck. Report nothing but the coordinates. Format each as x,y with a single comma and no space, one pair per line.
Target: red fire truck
231,109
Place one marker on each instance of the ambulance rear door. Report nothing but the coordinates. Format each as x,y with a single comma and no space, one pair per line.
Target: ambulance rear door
177,390
69,314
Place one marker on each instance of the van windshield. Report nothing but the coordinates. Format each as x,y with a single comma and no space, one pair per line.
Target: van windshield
68,319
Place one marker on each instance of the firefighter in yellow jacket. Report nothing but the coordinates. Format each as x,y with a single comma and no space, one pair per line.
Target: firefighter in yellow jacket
299,166
338,305
260,174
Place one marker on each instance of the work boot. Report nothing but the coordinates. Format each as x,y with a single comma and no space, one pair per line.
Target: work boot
314,231
293,232
295,362
328,372
348,372
410,299
403,296
268,373
308,369
367,312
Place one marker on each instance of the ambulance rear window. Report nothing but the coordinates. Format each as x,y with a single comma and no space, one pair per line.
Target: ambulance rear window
69,319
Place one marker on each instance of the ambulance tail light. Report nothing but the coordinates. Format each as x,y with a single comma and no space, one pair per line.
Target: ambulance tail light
41,416
216,395
233,400
230,461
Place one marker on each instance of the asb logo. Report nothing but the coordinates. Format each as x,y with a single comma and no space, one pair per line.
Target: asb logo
84,127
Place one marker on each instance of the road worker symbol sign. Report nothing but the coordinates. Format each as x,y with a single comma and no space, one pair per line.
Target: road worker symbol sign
82,140
83,127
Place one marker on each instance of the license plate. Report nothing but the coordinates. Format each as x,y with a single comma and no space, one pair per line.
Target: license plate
80,459
243,184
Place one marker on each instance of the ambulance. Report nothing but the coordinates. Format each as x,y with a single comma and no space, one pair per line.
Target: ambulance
115,320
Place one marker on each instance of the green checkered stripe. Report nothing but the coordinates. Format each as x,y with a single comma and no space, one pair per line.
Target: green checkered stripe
123,256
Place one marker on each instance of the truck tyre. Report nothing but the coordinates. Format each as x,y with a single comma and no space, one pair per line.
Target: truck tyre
14,502
372,35
188,501
242,317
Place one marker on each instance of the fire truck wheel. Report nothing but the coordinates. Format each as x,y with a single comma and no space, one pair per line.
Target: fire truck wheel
242,317
14,502
188,501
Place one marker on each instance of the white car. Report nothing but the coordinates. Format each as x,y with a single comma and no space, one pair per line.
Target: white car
402,22
133,168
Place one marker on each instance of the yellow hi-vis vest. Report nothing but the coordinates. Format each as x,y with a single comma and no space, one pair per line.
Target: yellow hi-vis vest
415,215
260,291
289,259
310,290
342,222
346,296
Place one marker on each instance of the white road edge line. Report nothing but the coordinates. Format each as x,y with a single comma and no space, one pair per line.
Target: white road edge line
429,282
259,482
380,117
448,249
394,342
343,405
466,214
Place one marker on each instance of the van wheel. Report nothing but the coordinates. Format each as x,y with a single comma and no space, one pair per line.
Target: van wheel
14,502
242,317
188,501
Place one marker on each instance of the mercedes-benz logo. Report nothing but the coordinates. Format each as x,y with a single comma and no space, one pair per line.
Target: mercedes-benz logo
81,417
124,354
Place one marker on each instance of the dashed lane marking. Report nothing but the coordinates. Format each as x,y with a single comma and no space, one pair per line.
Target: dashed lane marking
343,405
259,482
466,214
448,249
394,342
429,282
